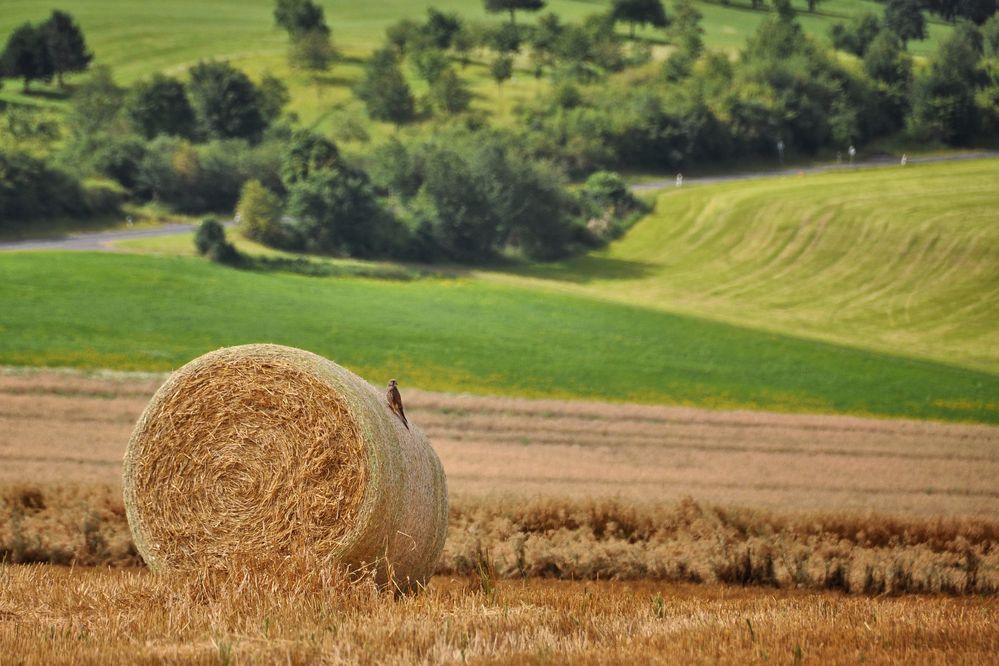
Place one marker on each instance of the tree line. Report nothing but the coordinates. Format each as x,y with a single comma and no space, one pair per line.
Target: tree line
215,141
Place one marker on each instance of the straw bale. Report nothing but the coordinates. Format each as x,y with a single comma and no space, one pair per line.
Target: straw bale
268,452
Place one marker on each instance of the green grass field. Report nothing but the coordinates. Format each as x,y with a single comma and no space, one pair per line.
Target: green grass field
137,38
904,261
464,334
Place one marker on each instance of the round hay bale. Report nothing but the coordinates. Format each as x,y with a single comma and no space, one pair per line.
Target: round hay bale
265,452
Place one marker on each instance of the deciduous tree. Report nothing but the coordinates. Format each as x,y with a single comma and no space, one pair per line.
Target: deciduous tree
299,17
639,12
66,44
26,56
226,102
384,90
160,106
905,19
497,6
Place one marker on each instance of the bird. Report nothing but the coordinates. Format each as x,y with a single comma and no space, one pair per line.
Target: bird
395,401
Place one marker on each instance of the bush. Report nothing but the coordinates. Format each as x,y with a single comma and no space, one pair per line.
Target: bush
259,214
118,157
210,241
335,210
608,203
30,189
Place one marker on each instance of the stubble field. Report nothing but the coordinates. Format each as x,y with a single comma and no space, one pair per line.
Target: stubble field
580,532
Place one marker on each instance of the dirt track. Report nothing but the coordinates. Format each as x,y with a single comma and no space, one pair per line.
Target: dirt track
57,426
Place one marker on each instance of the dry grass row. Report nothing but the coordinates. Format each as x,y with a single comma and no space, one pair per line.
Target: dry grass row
296,616
596,540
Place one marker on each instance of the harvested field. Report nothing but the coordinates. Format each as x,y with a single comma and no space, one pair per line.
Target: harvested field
50,614
579,533
66,426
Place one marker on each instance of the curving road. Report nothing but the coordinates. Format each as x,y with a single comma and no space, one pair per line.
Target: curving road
102,240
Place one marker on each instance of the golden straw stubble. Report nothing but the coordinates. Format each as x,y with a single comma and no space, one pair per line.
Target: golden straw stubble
264,452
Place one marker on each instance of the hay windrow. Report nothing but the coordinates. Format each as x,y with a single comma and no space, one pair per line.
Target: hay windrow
267,451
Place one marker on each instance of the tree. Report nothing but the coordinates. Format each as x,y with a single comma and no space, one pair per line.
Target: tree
96,104
890,65
639,12
505,38
259,213
449,93
497,6
308,153
944,100
687,26
66,44
813,4
299,17
312,51
159,106
501,70
886,60
26,56
274,97
990,36
226,102
857,34
210,241
905,19
441,28
384,89
976,11
430,63
335,210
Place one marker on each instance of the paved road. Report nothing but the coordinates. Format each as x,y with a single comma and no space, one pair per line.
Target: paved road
99,240
886,161
102,240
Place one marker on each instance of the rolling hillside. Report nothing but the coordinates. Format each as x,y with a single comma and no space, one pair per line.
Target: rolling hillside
905,261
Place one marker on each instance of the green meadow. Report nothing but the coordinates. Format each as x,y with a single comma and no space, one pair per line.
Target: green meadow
459,334
899,260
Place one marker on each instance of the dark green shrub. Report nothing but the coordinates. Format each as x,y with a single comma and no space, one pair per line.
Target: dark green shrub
211,242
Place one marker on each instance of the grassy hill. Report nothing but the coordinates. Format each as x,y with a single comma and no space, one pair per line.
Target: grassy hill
156,312
901,260
137,38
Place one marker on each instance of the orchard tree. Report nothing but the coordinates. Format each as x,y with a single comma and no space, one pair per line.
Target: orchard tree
449,93
497,6
300,17
856,35
905,19
312,51
639,12
26,56
66,44
441,28
384,89
501,70
227,104
274,96
160,106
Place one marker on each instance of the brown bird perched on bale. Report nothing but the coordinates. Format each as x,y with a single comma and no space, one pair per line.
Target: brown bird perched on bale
395,402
